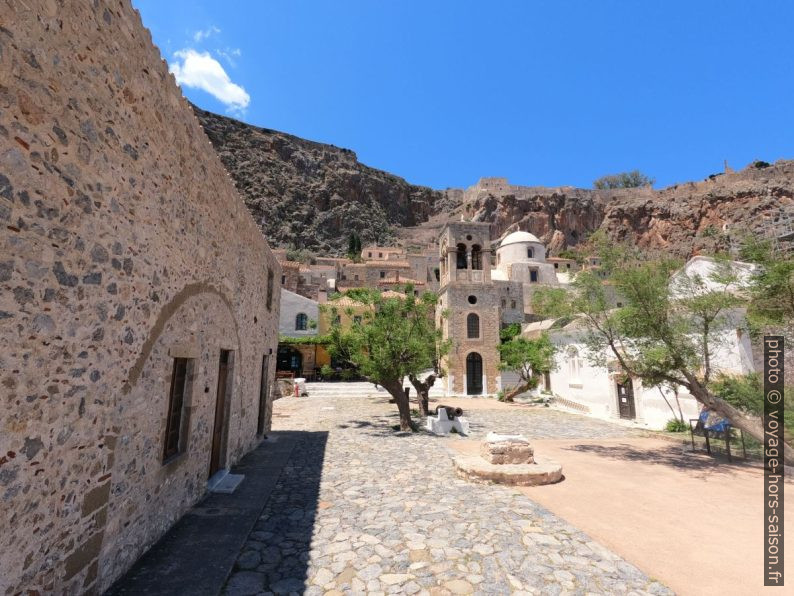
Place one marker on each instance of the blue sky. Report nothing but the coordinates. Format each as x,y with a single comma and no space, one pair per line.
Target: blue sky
542,92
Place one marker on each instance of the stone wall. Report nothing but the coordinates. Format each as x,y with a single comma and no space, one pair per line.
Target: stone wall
123,244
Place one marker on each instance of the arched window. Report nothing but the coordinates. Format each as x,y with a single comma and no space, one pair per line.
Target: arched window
476,257
574,363
530,253
461,264
301,321
472,326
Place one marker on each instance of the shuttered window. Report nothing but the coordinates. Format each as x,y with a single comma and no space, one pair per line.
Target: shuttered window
176,401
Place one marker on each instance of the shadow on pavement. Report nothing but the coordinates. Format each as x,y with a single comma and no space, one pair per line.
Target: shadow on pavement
198,554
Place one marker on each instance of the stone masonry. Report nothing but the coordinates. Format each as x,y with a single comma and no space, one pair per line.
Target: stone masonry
123,245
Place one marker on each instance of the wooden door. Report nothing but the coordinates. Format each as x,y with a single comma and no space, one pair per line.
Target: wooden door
626,400
474,374
264,385
221,404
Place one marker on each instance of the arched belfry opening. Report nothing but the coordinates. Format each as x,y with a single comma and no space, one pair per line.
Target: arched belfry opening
476,257
461,261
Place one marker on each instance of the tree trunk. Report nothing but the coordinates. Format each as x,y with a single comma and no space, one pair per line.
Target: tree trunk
517,390
751,426
422,392
395,389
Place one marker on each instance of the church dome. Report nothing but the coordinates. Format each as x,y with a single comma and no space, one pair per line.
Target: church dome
518,237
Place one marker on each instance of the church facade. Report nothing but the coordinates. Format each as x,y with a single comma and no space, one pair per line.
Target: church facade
482,290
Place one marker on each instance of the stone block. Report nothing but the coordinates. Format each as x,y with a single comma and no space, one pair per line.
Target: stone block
506,449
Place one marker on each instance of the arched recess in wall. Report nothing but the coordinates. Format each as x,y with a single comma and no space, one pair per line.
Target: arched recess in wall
168,311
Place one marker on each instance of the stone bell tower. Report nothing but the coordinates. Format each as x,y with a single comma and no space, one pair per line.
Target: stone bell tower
469,309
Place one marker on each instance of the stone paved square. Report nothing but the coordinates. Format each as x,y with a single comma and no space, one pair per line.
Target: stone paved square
364,509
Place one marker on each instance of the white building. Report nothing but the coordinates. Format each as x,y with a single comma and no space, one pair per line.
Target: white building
605,393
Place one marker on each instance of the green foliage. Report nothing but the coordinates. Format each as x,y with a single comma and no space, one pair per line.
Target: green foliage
529,357
551,303
510,331
301,255
396,338
658,335
632,179
772,289
569,253
307,340
674,425
327,371
746,392
353,246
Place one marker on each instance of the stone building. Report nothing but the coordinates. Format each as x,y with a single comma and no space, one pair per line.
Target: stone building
472,309
480,295
138,300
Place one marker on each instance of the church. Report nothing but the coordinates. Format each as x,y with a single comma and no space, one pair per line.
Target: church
482,290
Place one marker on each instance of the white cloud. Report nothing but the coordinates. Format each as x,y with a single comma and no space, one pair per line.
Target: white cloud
199,70
209,31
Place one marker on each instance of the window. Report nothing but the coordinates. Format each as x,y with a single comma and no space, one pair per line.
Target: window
530,253
574,363
283,279
461,260
556,265
380,255
337,320
567,265
369,255
476,257
382,274
512,304
437,272
472,326
355,277
301,321
176,401
472,299
269,299
533,275
357,320
504,303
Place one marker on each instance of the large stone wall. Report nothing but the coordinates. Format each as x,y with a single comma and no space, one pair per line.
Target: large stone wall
123,244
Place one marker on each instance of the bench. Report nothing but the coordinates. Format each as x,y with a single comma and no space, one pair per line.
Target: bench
709,426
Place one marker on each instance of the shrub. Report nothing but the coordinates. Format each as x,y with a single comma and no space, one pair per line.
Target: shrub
674,425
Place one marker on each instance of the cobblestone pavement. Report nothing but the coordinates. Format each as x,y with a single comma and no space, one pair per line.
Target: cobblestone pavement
361,508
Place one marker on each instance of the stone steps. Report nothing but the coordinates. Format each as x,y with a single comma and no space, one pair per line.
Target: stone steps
357,389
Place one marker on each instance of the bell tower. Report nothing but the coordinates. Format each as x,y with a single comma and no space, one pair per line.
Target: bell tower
469,311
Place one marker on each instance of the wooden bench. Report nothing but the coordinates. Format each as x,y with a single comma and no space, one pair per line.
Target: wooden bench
720,430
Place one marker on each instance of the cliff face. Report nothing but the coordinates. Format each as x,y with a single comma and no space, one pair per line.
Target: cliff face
312,195
685,219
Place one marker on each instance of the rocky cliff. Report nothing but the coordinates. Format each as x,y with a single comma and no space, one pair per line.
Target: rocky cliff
311,195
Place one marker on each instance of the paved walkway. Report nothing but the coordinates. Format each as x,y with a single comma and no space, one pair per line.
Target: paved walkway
367,509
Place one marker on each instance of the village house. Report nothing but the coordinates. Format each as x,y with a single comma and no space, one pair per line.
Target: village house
606,392
138,300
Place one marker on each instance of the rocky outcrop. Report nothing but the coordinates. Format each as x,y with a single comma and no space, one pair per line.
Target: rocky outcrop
312,195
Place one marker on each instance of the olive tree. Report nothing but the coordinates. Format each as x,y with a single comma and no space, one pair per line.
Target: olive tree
395,338
531,358
669,328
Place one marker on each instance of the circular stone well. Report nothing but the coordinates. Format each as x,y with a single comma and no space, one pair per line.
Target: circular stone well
474,468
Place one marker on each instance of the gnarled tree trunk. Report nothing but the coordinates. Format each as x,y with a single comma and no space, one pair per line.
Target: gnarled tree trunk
395,389
423,392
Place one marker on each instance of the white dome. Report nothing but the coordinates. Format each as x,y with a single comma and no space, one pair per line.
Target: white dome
518,237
